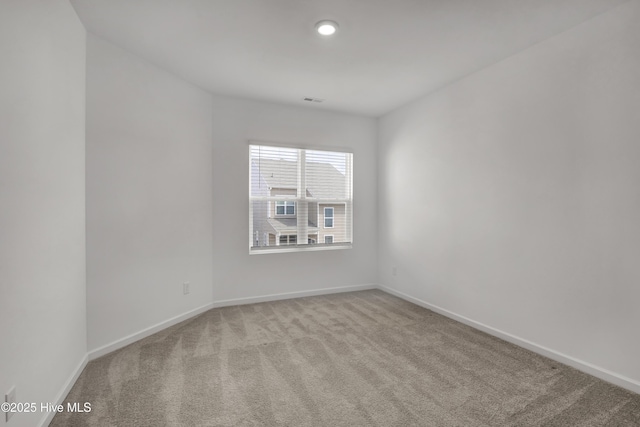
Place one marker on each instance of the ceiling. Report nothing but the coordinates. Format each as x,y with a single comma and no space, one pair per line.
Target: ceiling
387,52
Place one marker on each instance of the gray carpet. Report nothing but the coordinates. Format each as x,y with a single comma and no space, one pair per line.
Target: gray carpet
355,359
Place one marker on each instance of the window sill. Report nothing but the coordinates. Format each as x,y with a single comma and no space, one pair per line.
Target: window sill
299,248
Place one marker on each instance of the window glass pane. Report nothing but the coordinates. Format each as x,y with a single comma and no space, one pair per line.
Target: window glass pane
327,174
277,203
273,168
328,217
285,207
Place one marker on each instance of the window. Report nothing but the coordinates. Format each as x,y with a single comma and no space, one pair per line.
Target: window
328,218
294,193
285,208
288,239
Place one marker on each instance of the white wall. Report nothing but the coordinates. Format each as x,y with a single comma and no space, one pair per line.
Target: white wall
167,197
240,275
149,202
511,197
42,200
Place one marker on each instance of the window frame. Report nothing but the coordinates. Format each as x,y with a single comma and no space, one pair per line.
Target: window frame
288,238
325,239
286,204
302,245
325,217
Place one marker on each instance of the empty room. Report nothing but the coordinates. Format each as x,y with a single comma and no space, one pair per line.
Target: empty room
319,213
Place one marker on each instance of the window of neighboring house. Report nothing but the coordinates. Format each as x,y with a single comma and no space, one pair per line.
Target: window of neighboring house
328,218
289,239
328,239
289,189
285,208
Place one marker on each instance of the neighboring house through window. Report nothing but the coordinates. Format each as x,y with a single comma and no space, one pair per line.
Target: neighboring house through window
295,194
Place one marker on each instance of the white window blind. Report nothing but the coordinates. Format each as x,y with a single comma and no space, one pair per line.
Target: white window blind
293,193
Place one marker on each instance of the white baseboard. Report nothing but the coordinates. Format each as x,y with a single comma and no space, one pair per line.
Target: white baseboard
581,365
129,339
290,295
46,420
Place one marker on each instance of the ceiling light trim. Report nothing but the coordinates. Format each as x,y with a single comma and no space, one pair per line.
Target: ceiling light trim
327,27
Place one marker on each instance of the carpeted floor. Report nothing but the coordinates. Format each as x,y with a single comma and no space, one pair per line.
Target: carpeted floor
355,359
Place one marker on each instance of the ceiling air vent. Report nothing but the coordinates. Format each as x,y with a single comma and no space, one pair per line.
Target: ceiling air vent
312,99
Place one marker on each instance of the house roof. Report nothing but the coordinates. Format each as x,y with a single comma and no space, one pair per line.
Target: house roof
324,181
288,224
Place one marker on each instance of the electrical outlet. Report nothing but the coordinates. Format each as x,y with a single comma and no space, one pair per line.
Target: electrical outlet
185,288
10,397
394,271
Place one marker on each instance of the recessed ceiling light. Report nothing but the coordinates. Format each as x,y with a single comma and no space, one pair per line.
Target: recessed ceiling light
327,28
